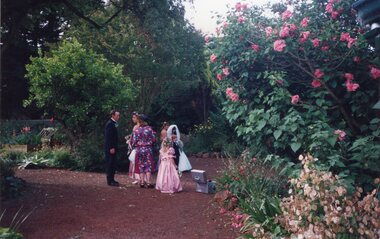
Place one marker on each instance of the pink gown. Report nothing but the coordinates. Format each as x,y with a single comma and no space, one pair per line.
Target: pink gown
167,177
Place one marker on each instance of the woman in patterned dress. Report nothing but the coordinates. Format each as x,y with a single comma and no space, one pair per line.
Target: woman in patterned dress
143,140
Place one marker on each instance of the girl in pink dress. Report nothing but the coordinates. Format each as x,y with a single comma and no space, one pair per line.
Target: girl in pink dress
167,176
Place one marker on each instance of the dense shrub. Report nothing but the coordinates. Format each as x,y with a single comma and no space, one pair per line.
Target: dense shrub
302,79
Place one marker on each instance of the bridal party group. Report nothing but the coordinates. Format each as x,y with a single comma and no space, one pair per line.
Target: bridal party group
142,144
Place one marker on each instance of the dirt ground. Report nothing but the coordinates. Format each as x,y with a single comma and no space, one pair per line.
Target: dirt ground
70,205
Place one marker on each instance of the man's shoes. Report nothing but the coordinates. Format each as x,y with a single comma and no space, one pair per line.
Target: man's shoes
113,183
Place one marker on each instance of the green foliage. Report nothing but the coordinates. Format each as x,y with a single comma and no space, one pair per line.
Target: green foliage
77,86
89,154
163,56
10,186
214,136
283,102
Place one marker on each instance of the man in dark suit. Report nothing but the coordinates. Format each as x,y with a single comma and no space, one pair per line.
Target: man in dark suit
110,147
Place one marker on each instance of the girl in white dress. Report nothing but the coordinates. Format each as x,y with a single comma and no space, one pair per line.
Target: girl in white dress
184,163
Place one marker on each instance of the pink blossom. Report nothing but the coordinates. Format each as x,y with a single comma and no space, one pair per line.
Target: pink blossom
349,76
219,76
225,24
295,99
286,15
213,58
316,83
325,48
240,19
234,97
318,73
238,7
351,86
284,32
345,36
244,6
329,8
356,59
279,45
207,39
375,72
26,129
334,15
268,31
222,210
255,47
304,36
226,71
304,22
316,42
292,28
229,91
351,41
341,134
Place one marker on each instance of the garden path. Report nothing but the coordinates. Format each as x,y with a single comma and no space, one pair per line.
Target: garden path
80,205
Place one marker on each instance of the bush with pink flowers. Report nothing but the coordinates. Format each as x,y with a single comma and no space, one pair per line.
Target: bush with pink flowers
297,77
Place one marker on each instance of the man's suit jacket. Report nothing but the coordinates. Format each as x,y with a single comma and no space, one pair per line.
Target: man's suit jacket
110,136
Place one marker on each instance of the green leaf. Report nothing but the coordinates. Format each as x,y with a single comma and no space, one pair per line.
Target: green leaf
261,124
332,140
295,146
277,134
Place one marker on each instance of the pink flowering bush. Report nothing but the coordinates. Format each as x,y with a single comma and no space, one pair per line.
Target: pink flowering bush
296,79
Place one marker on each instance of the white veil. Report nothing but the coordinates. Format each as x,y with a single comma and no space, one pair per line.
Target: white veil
169,132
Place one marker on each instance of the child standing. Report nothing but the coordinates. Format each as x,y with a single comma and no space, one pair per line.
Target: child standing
167,176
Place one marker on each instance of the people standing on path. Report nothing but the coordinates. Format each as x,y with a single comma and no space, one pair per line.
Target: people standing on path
181,159
132,154
111,147
143,140
167,177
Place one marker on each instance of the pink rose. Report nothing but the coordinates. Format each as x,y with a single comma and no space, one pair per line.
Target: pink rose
304,36
255,47
238,7
351,41
225,24
334,15
292,28
325,48
375,72
240,19
329,8
279,45
219,76
316,83
268,31
295,99
284,32
286,15
304,22
344,36
212,58
349,76
356,59
316,42
226,72
318,73
234,97
229,91
207,39
351,87
341,134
